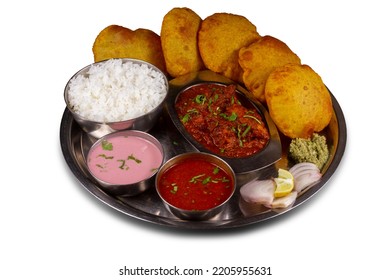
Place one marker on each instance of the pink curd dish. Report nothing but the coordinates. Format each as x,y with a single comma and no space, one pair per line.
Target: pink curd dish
124,163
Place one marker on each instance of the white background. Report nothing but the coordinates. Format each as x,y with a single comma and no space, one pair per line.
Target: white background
51,228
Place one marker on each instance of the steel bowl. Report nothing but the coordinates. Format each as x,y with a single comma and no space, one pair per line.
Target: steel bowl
97,128
133,188
195,214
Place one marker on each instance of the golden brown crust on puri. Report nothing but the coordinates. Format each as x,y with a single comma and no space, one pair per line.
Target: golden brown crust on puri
259,59
116,41
221,36
179,41
298,101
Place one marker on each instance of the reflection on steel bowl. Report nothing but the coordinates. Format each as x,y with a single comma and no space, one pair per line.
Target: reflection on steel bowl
222,120
116,94
125,162
195,185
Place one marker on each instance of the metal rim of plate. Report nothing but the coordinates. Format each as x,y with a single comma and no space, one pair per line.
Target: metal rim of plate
68,124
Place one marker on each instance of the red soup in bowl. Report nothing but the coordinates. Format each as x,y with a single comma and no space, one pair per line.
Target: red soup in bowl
195,185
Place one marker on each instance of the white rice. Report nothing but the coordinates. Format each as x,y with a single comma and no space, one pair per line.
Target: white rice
114,91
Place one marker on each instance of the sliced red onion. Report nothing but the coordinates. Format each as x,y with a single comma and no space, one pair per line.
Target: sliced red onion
303,166
305,180
285,201
258,191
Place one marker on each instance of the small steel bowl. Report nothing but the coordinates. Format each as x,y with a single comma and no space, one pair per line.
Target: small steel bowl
97,128
195,214
132,186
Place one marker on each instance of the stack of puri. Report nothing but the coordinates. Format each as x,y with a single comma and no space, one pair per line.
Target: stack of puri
297,99
229,44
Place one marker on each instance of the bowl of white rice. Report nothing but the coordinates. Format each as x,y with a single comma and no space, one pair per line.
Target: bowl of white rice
116,94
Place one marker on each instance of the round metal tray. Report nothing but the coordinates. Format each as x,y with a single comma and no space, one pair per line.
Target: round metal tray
148,207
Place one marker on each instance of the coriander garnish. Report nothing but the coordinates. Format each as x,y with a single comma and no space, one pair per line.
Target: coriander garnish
123,165
107,145
196,178
132,157
105,156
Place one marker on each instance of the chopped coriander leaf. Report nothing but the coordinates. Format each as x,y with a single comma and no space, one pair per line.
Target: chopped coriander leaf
185,118
174,189
105,156
107,145
132,157
231,118
206,180
195,178
200,99
100,166
246,131
123,165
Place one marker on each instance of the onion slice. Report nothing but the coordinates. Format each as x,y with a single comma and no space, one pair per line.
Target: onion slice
285,201
258,191
305,175
305,180
299,167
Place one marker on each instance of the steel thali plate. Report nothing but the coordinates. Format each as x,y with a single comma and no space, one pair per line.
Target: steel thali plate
148,207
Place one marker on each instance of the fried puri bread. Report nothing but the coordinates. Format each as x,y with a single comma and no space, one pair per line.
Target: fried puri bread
259,59
298,101
220,37
116,41
179,41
